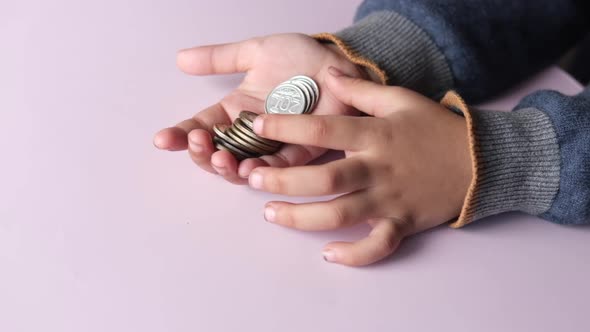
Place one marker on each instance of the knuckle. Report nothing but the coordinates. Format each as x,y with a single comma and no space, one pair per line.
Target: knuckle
383,132
318,130
331,180
286,218
274,182
338,216
389,244
271,127
197,158
396,196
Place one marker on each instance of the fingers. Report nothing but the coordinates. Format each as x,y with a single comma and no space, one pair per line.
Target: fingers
336,177
201,148
171,139
372,98
366,96
381,242
328,131
342,211
176,138
194,134
226,165
216,59
288,155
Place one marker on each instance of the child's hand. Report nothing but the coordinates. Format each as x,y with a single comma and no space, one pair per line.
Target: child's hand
406,170
267,62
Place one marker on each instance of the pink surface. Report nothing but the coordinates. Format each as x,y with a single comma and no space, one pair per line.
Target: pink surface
101,232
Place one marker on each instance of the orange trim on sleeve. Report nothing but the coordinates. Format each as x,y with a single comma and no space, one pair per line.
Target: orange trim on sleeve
452,99
352,55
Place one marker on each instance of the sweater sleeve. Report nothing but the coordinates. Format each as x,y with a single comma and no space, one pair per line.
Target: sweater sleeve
478,48
535,159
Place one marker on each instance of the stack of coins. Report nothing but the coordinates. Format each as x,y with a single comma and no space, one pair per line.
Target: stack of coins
298,95
240,139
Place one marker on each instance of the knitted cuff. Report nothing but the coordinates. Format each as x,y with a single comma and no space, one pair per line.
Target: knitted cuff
515,161
397,50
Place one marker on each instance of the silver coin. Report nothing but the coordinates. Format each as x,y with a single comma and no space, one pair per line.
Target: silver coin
310,80
308,92
308,89
287,98
308,86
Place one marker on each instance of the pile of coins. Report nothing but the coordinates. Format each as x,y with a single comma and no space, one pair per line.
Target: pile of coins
298,95
240,139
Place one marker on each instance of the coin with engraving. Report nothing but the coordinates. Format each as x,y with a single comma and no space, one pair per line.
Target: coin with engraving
287,98
309,80
310,87
298,95
308,93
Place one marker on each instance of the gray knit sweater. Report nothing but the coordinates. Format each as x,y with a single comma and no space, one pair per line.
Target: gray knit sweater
535,159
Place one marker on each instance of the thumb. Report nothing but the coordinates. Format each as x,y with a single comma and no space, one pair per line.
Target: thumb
216,59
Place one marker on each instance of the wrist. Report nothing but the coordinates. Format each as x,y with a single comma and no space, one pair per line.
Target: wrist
364,72
515,161
366,68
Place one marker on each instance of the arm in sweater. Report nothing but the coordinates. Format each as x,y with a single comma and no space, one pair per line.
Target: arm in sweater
475,47
535,159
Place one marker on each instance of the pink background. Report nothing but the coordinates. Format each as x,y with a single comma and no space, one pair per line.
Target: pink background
101,232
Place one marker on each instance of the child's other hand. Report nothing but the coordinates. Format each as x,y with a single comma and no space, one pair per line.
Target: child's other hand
406,170
267,62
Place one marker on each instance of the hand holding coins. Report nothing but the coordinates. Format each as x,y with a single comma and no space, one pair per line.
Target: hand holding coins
298,95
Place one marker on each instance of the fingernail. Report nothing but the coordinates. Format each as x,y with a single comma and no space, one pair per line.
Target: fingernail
270,214
258,124
329,255
255,180
336,72
159,143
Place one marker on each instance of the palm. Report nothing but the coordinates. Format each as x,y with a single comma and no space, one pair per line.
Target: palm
279,57
267,62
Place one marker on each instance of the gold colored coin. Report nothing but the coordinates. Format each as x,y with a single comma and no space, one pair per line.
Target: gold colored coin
239,125
223,145
245,142
220,132
248,118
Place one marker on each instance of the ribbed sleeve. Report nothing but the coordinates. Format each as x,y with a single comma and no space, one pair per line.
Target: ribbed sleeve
519,163
535,159
398,47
